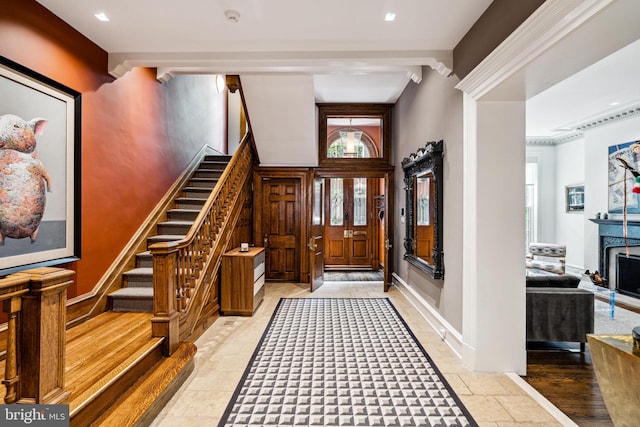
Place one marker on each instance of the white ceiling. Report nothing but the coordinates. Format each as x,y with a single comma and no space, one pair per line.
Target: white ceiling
601,91
352,53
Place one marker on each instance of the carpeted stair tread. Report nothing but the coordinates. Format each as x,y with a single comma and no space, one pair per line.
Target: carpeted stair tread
165,238
133,293
146,398
178,222
140,271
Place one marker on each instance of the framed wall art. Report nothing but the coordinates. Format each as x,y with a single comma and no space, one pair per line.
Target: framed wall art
574,198
624,163
39,170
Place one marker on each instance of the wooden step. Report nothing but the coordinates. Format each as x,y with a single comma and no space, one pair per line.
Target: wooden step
196,192
144,260
163,238
174,227
189,203
104,357
141,277
203,182
146,398
182,214
207,173
132,299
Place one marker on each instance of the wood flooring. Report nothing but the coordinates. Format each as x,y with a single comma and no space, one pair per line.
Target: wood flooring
567,379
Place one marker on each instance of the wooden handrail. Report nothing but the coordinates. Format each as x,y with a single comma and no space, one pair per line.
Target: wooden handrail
179,266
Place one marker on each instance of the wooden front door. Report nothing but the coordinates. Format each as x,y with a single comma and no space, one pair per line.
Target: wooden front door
281,222
350,227
316,241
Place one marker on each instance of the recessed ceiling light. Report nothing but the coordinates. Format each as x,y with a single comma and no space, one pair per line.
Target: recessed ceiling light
102,17
390,16
613,104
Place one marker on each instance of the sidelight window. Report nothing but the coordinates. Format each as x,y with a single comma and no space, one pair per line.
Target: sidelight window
359,201
337,201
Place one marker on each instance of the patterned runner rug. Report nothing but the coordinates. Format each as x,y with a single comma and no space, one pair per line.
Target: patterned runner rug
342,362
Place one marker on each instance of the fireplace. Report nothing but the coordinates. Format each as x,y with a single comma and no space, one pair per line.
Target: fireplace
612,246
628,275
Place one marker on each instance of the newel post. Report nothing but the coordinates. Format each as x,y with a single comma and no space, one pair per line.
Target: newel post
165,321
42,337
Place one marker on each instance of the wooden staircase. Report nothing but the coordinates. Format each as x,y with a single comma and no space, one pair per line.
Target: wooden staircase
137,292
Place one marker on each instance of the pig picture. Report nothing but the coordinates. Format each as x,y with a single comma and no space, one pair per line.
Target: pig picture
24,180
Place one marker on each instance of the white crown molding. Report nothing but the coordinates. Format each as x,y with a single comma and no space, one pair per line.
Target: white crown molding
552,21
606,119
170,64
567,137
580,128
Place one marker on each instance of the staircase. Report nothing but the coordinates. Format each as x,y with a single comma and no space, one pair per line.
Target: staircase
136,293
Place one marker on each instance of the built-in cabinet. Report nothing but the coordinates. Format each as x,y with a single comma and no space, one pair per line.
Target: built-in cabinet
242,288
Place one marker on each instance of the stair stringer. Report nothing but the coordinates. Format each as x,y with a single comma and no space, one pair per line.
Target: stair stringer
91,304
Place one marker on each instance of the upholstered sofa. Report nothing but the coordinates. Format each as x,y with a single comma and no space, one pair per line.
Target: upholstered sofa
559,314
553,281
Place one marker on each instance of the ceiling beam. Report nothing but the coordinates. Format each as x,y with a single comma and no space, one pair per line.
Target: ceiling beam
360,62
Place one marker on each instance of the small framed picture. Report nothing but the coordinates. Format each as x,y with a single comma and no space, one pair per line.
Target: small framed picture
574,196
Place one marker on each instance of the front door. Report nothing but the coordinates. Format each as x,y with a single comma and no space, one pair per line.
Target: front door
350,228
316,241
281,219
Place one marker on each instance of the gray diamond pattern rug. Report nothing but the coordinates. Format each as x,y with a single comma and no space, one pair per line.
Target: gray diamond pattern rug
342,362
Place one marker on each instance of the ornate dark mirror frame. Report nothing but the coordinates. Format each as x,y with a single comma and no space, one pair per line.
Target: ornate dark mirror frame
427,160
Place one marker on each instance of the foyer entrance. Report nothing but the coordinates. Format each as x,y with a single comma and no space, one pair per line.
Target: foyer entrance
351,224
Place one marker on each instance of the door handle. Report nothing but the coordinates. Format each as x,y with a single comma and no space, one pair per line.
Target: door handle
347,233
266,241
387,246
312,246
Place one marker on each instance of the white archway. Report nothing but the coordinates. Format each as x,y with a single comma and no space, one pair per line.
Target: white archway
557,40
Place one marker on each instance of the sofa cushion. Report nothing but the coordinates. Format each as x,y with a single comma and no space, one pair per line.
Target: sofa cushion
566,281
559,314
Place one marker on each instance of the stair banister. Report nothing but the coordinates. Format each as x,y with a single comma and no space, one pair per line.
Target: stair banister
178,265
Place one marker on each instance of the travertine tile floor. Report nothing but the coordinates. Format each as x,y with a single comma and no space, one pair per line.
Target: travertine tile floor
225,348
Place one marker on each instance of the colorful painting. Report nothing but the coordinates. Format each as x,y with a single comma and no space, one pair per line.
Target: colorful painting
39,168
623,158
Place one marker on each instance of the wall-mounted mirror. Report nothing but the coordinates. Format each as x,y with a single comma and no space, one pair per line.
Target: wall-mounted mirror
423,186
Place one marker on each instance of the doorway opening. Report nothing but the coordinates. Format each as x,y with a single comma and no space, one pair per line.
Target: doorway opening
351,229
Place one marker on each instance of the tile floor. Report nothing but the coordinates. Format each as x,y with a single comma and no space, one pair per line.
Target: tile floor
225,348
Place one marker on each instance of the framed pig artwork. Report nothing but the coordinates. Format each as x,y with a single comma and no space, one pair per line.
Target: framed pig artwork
39,170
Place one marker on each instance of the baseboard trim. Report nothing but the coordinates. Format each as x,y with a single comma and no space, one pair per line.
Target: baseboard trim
447,333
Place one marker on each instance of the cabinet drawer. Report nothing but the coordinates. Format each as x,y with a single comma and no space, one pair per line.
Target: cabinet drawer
258,271
258,284
258,259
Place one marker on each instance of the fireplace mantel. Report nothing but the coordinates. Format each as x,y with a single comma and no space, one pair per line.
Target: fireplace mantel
611,234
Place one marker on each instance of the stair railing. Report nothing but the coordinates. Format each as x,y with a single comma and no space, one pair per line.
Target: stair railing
34,301
184,270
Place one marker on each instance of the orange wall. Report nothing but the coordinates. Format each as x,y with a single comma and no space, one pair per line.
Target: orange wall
128,161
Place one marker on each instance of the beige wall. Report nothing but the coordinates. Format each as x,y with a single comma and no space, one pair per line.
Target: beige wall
426,112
